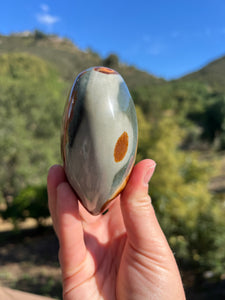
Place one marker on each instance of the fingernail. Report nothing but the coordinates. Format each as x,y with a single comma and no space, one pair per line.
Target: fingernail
149,173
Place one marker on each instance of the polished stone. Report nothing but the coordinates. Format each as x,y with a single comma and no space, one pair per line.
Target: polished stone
99,137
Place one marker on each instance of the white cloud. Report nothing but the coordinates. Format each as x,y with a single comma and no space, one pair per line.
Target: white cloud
45,7
45,17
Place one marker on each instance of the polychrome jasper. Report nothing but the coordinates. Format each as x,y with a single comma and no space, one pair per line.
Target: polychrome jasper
99,137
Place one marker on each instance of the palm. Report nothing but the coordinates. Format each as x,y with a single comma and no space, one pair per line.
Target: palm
104,238
122,254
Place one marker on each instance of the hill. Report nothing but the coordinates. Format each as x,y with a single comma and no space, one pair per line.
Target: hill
173,117
68,58
213,75
70,61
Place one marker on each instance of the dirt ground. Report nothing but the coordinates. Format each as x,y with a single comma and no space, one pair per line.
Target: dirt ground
29,258
29,261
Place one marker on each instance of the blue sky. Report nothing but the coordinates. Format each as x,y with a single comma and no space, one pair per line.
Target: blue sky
164,37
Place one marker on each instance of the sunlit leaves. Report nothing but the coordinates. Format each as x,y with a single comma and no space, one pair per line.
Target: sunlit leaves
31,104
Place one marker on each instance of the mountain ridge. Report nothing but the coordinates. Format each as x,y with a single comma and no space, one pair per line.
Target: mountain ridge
70,61
212,74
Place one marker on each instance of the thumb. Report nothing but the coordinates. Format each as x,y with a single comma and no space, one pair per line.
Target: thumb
143,229
147,244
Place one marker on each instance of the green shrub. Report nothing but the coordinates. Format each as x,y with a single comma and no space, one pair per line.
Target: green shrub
32,202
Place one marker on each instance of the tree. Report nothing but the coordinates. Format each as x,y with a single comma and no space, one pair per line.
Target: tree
187,212
39,35
211,118
31,106
31,202
112,61
214,118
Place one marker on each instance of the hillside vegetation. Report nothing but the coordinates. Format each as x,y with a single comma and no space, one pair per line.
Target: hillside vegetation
68,59
212,75
178,122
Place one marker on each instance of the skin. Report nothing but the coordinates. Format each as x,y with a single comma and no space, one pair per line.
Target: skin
122,254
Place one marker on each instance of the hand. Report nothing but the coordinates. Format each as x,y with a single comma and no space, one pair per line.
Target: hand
122,254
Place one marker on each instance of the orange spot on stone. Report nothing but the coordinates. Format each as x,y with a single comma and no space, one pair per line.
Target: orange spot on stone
105,70
121,147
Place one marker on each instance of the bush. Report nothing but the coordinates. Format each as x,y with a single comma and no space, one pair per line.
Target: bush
39,35
191,217
201,246
32,202
112,61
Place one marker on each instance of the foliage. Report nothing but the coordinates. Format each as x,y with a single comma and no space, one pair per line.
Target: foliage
112,61
172,117
211,118
69,60
198,110
31,105
212,75
190,216
38,35
30,203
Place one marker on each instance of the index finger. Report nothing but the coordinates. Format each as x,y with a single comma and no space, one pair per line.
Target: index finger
56,176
